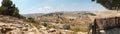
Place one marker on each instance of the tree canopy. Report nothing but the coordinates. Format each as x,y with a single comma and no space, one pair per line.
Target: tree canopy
109,4
8,8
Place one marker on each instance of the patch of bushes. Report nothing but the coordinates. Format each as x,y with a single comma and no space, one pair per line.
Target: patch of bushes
45,24
8,8
31,20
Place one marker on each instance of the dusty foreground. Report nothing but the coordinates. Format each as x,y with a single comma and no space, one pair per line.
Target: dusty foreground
54,23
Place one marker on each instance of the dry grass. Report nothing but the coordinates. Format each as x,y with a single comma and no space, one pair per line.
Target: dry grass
79,28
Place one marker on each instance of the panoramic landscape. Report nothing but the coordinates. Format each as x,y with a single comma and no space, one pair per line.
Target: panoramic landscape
59,17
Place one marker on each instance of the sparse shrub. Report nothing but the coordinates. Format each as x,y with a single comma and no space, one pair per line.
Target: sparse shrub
50,26
45,24
78,28
32,20
90,26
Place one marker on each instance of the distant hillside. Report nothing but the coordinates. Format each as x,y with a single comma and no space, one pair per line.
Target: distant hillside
57,13
33,15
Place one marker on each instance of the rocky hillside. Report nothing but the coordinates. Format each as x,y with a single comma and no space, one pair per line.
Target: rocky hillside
12,25
77,22
53,23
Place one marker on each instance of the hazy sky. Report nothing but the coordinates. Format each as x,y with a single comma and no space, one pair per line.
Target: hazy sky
46,6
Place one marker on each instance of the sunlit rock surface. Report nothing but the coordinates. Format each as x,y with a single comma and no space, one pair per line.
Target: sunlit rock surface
55,23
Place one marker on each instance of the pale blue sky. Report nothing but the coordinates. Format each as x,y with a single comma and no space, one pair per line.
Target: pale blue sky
46,6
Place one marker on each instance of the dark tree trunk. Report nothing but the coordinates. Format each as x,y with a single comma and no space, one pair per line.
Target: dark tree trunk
94,28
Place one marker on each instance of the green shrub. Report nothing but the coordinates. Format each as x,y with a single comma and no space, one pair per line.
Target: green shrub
31,20
45,24
8,8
